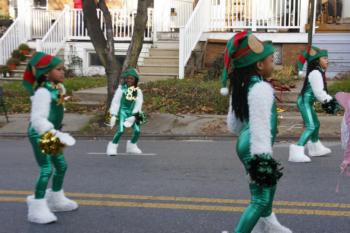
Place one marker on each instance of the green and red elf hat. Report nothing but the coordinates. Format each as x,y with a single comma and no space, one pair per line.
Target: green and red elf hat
130,72
244,49
40,64
310,54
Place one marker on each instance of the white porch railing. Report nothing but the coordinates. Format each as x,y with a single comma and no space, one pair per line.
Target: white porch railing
122,23
256,14
42,20
171,14
191,33
13,37
55,38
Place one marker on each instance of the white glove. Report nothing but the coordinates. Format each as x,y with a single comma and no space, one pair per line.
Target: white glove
65,138
112,121
129,121
224,91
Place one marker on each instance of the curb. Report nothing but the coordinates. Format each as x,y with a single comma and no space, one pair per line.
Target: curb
165,137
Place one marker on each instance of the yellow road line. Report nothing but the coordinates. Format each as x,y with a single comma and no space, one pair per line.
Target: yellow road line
187,199
213,208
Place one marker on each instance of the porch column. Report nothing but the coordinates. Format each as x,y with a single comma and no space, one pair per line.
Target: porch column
304,10
25,12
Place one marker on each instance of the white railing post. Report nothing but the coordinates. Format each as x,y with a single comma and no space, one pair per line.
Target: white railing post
38,45
67,16
254,14
29,20
314,18
304,9
181,53
191,33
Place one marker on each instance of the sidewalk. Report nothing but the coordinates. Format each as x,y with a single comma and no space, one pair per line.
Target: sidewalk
19,123
169,125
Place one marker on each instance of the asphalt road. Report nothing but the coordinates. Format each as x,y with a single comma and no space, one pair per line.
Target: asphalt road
177,186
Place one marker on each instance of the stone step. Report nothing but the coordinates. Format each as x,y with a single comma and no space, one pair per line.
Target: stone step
172,36
166,44
151,77
164,69
161,60
11,78
163,52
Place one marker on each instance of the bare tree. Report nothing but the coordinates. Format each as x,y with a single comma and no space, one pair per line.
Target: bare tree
135,46
104,46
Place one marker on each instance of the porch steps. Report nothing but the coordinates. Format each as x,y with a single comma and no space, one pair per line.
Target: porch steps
338,46
162,62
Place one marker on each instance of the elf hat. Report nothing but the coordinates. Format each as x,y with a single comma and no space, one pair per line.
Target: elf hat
244,49
130,72
310,54
40,64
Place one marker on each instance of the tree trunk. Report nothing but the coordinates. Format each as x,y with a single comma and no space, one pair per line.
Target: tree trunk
135,46
104,46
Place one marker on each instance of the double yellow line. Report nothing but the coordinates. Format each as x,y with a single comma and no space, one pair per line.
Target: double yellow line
189,203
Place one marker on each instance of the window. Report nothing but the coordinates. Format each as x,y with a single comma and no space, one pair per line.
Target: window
40,3
95,61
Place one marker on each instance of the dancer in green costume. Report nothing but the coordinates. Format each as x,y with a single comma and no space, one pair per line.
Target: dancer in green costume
314,88
252,115
126,110
43,79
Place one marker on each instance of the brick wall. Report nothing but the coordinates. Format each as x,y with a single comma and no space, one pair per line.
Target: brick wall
290,53
215,48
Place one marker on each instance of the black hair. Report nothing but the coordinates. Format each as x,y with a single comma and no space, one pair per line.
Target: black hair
239,84
40,81
314,65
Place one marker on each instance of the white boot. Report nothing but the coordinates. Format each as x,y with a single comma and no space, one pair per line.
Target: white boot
297,155
132,148
259,227
112,149
58,202
273,226
317,149
39,212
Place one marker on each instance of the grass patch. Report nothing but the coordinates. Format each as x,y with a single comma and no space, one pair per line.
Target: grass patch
339,85
17,99
191,95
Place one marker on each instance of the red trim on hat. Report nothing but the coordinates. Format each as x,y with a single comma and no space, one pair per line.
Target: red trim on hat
226,59
241,52
29,77
44,61
238,37
302,59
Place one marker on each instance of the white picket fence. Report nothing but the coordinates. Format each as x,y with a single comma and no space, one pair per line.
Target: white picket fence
13,37
255,14
171,14
57,35
122,24
42,20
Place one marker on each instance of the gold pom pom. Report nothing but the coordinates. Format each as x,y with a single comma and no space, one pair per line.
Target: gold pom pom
131,93
51,145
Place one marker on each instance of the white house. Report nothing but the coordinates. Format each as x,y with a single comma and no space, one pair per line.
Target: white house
176,27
